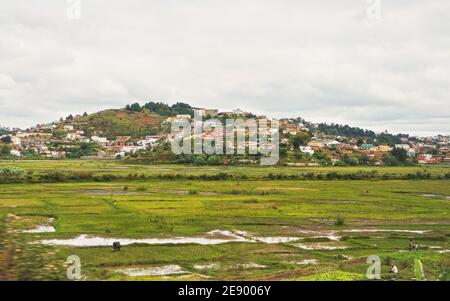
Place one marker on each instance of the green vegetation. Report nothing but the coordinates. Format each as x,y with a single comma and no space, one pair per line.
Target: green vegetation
162,108
361,134
114,123
111,170
325,207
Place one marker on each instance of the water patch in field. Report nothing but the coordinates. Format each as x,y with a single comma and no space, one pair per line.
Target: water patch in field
211,238
210,266
331,235
45,228
320,246
436,196
214,237
250,265
153,271
275,240
96,241
216,266
386,230
113,192
306,262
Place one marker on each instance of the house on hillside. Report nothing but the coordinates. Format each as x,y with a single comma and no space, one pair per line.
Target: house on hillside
307,150
211,112
31,139
382,148
366,146
183,117
122,141
68,128
411,153
430,159
15,153
347,148
102,141
316,145
444,150
403,146
149,141
330,142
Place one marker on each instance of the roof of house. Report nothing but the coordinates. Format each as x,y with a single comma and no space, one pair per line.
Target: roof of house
122,138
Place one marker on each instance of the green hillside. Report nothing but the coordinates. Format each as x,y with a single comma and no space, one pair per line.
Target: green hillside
121,122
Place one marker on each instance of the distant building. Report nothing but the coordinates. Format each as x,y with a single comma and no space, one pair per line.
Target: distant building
411,153
315,145
15,140
31,139
330,142
239,112
307,150
122,141
211,112
15,153
68,128
382,148
403,146
100,140
430,159
366,146
149,141
183,116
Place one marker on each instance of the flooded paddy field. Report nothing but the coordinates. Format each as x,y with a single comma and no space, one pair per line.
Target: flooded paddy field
254,229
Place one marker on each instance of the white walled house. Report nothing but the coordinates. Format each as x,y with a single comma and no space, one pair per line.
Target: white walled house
15,153
100,140
149,141
68,128
307,150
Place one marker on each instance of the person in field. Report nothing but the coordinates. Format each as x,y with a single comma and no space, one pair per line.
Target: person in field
394,269
411,245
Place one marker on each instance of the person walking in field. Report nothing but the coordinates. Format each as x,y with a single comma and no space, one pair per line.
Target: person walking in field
411,245
394,269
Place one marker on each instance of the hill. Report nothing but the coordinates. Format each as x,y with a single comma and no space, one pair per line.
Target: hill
121,122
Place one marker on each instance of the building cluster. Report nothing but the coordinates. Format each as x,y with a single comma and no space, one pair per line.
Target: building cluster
58,139
429,150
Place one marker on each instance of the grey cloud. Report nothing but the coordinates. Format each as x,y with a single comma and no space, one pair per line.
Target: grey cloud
323,61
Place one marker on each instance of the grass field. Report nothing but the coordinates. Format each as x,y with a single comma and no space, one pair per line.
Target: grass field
269,229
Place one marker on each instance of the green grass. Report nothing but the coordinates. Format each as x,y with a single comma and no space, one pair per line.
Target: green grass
182,207
121,168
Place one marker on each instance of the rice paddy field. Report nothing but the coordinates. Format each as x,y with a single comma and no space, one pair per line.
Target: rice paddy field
181,223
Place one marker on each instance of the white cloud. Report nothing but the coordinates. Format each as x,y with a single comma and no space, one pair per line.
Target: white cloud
6,82
323,61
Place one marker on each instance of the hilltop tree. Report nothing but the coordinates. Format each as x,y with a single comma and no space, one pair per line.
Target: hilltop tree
166,110
135,107
4,131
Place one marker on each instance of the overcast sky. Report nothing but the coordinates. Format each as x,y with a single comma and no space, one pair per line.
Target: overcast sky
322,60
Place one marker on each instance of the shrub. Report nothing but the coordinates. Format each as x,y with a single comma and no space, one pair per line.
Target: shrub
340,221
11,171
